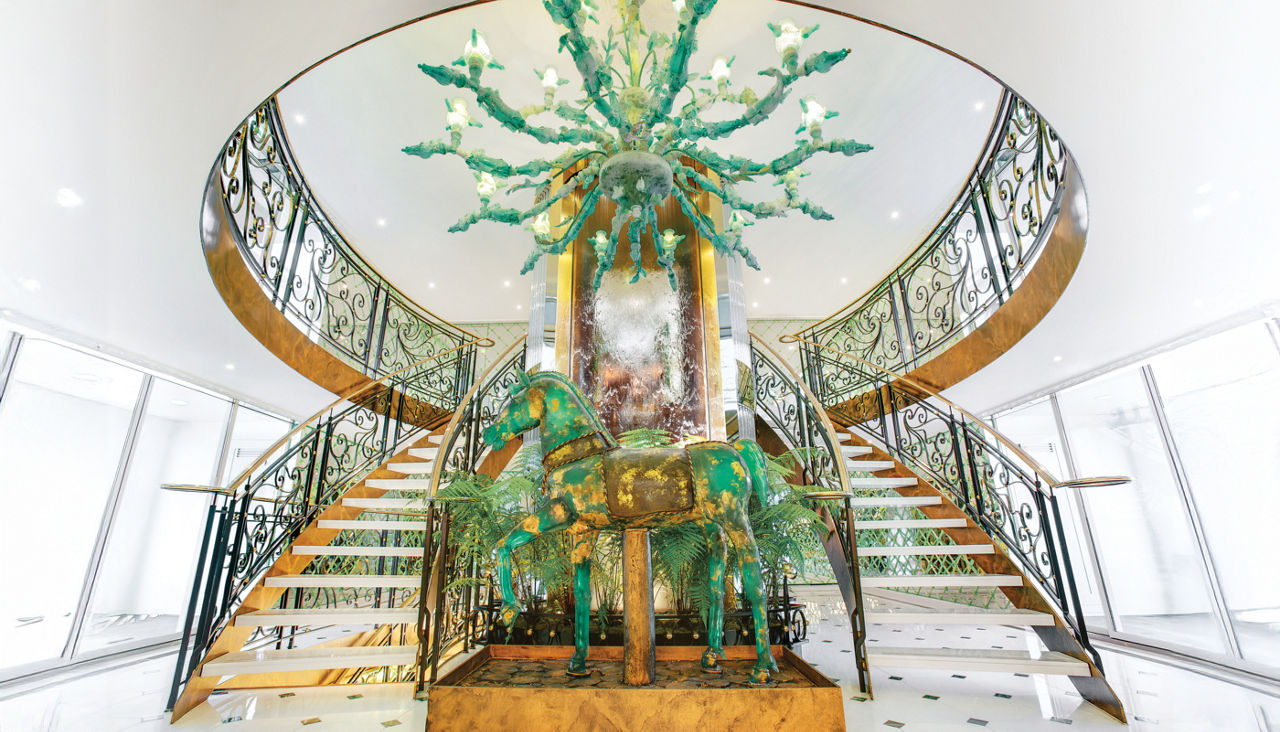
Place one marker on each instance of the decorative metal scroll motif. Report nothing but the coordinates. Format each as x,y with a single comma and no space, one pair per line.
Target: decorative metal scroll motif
311,273
962,272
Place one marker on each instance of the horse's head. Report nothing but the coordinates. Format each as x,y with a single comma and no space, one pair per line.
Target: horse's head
522,412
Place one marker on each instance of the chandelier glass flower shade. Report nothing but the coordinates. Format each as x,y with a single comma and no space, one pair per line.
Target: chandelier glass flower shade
637,135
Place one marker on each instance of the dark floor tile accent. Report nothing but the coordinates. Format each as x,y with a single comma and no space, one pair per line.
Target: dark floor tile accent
957,676
997,646
979,722
391,723
1023,676
286,695
966,637
1144,692
311,720
895,678
895,725
1060,720
826,641
355,696
1148,720
857,699
930,697
1004,696
845,650
919,638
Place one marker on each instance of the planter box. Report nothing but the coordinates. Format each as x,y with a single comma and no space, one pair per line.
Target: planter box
525,688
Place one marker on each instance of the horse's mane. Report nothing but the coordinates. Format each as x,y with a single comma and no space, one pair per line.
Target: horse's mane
576,392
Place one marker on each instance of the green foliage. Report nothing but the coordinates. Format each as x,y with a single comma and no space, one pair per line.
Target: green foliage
786,531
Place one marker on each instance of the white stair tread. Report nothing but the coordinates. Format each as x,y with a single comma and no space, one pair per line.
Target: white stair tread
426,453
358,525
869,466
882,482
385,504
855,450
916,616
1007,661
924,550
947,523
309,659
399,484
340,616
358,551
943,580
344,580
419,468
894,501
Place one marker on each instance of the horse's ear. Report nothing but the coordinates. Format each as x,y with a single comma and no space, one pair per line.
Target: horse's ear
521,383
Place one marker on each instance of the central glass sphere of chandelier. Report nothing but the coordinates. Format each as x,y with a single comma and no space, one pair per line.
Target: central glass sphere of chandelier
634,134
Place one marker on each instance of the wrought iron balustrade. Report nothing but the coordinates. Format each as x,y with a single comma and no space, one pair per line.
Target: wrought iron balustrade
781,399
308,270
967,267
1005,491
253,520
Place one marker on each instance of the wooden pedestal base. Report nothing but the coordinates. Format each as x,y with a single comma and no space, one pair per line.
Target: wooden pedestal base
524,688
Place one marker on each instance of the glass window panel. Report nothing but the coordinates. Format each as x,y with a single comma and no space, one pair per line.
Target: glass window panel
63,423
1035,430
145,577
252,433
1222,399
1149,556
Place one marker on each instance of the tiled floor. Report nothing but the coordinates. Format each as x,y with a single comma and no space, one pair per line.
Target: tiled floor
1159,698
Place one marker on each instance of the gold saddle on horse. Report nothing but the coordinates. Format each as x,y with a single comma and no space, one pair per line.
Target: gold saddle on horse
643,482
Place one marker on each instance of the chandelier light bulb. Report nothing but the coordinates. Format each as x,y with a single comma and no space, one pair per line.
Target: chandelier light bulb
720,70
550,79
542,226
486,185
678,5
476,50
458,116
788,38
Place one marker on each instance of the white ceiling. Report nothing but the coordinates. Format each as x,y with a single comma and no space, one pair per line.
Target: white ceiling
927,114
1170,109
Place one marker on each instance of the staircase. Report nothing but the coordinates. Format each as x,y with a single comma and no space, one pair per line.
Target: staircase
340,604
914,544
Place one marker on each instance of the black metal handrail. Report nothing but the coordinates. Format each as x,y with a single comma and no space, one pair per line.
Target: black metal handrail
780,397
967,267
1003,489
252,521
307,268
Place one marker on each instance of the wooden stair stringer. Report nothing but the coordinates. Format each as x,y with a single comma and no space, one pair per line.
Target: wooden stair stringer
1056,637
232,637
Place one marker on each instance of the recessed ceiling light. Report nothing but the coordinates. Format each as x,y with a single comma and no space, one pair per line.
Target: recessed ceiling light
431,285
977,106
230,367
893,214
382,223
755,304
844,280
179,402
1204,188
300,119
519,307
68,198
1057,358
506,283
1200,212
766,280
30,284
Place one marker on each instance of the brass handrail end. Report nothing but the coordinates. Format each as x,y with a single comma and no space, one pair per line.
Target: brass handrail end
827,495
1098,482
196,488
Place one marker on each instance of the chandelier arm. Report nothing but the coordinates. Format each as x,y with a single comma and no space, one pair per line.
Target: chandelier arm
491,101
676,75
585,209
506,215
595,74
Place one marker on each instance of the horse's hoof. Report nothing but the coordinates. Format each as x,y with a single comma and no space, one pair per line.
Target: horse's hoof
759,677
509,615
712,669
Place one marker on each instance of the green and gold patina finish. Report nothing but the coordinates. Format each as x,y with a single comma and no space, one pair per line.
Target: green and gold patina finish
592,485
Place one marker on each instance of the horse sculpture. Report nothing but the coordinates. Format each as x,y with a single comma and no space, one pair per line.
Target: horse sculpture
593,484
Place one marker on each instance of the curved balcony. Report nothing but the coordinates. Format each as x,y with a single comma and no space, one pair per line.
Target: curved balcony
992,268
300,288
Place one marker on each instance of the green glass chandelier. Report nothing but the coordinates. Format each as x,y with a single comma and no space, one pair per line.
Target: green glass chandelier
633,132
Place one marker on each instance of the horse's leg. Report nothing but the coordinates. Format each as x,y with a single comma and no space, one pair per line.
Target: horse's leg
555,515
744,542
715,612
584,543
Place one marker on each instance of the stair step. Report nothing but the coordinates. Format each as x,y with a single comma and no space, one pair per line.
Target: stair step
358,551
399,484
357,525
1006,661
341,616
947,523
384,504
309,659
426,453
421,467
869,466
855,450
915,616
943,580
926,550
882,482
344,580
894,501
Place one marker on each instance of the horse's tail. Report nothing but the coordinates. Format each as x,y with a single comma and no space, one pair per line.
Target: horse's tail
757,466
